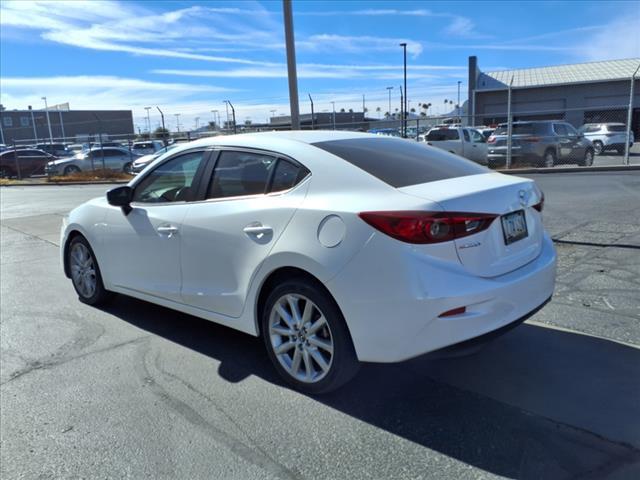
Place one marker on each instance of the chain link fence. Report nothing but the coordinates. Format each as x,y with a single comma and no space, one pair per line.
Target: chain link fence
602,136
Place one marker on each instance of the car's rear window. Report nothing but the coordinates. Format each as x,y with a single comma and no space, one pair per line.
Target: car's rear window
400,162
442,134
523,129
617,128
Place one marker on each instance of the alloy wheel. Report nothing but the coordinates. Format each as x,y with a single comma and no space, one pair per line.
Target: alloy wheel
83,272
301,338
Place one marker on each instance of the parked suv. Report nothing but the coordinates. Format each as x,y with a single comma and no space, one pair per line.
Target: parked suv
543,142
147,147
607,136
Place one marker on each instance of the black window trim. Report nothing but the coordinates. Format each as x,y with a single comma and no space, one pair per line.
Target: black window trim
198,178
207,174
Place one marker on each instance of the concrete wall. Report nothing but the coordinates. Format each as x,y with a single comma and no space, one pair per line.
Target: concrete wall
574,103
78,124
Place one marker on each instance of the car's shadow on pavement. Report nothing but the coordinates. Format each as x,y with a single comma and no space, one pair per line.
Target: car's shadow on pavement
536,403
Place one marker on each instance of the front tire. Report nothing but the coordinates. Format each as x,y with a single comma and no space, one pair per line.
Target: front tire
307,338
127,168
549,159
588,158
598,147
70,169
85,272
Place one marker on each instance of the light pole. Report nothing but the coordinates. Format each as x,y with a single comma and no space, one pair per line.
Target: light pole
46,109
389,89
291,65
197,122
458,104
216,122
148,119
233,112
33,122
333,105
177,115
404,115
61,124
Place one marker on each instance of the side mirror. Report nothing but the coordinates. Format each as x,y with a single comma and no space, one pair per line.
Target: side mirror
121,197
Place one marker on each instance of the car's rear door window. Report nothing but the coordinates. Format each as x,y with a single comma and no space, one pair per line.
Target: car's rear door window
399,162
239,173
286,175
442,134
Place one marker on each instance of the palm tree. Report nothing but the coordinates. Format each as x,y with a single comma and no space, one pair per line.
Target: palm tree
342,110
378,109
386,115
413,110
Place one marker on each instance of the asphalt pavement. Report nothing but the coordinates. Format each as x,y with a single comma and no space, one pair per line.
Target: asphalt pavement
139,391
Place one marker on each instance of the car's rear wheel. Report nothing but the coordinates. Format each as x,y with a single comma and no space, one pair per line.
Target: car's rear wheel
85,272
598,147
620,150
127,168
588,158
549,159
307,338
71,169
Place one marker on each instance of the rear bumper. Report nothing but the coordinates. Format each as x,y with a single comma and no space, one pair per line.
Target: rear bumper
392,304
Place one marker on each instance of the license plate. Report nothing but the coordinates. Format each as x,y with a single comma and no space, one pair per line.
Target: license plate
514,227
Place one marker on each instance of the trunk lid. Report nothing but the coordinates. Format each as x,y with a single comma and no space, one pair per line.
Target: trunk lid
486,253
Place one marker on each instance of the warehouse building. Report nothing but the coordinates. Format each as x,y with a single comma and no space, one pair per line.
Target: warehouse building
22,126
578,93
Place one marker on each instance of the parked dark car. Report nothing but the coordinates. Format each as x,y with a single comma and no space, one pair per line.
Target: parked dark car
55,149
544,143
23,162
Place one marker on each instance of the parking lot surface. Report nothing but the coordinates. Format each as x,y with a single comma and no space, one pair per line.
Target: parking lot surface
139,391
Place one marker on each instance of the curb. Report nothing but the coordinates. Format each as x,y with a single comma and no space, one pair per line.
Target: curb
607,168
54,184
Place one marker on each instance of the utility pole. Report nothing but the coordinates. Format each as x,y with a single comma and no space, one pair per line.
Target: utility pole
33,122
164,130
148,119
233,111
404,116
389,90
291,65
216,122
312,114
61,124
364,109
177,115
227,109
509,124
46,109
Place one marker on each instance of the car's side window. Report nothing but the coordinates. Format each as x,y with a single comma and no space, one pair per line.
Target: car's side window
286,175
560,129
570,130
240,173
477,137
172,181
465,132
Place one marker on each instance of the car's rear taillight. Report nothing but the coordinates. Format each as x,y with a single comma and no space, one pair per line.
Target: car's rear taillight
427,227
491,139
540,205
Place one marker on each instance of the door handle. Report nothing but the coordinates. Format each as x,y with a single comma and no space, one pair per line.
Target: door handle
257,230
168,230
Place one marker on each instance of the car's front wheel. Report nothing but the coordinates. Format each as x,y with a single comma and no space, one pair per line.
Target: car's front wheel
588,158
549,159
598,147
85,272
71,169
307,338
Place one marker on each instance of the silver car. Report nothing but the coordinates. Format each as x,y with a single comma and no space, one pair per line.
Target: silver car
110,158
143,161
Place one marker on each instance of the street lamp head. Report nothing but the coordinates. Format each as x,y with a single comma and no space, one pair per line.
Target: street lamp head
403,45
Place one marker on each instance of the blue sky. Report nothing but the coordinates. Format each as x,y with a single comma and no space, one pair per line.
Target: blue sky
187,57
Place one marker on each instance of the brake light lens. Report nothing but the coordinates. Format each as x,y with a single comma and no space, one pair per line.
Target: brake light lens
454,312
540,205
427,227
491,139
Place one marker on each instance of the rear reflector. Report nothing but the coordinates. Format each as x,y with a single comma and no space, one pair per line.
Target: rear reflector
427,227
455,311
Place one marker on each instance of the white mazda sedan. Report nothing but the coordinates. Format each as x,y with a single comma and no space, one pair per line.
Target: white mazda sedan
335,247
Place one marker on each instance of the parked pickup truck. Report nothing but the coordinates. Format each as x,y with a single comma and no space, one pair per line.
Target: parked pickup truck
463,141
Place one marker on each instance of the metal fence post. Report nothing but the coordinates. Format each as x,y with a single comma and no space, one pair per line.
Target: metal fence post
509,124
417,129
102,151
15,157
629,117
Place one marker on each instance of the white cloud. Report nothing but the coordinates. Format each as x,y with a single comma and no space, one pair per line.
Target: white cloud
618,39
356,44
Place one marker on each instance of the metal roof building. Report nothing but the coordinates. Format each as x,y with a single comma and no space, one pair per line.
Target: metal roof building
579,93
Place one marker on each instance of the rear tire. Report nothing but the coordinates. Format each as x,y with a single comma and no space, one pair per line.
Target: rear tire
70,169
311,349
85,272
598,147
620,150
127,168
